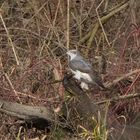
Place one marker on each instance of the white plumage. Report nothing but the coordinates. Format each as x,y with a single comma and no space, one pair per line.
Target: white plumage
80,75
83,71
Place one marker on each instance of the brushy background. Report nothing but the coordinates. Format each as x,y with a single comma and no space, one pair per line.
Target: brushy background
34,37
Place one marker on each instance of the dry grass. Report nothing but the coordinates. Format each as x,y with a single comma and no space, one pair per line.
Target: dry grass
34,36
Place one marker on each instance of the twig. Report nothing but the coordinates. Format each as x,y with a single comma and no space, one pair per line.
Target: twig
10,40
101,25
133,18
130,96
121,78
134,81
92,33
68,23
106,5
10,83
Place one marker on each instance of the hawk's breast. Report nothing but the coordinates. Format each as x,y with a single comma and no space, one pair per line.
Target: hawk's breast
80,75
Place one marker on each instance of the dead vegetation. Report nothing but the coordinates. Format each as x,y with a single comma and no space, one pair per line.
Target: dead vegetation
34,37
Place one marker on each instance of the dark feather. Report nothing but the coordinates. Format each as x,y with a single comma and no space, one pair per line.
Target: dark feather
97,79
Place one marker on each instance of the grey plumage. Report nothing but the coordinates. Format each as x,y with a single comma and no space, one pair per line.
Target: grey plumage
81,65
78,63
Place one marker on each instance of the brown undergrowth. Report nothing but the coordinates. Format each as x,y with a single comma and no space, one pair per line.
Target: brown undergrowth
34,37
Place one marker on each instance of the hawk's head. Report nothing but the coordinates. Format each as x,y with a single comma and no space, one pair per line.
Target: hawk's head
72,54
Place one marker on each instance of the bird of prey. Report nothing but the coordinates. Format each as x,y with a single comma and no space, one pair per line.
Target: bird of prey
83,71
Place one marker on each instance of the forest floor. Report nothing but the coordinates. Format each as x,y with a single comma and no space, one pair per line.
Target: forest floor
34,37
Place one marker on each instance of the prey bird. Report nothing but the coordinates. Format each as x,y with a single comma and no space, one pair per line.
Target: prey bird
83,71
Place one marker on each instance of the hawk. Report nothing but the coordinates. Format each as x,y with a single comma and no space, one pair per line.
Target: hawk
83,71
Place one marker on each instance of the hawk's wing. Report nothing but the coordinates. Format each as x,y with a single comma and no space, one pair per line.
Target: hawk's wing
86,67
81,65
97,79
